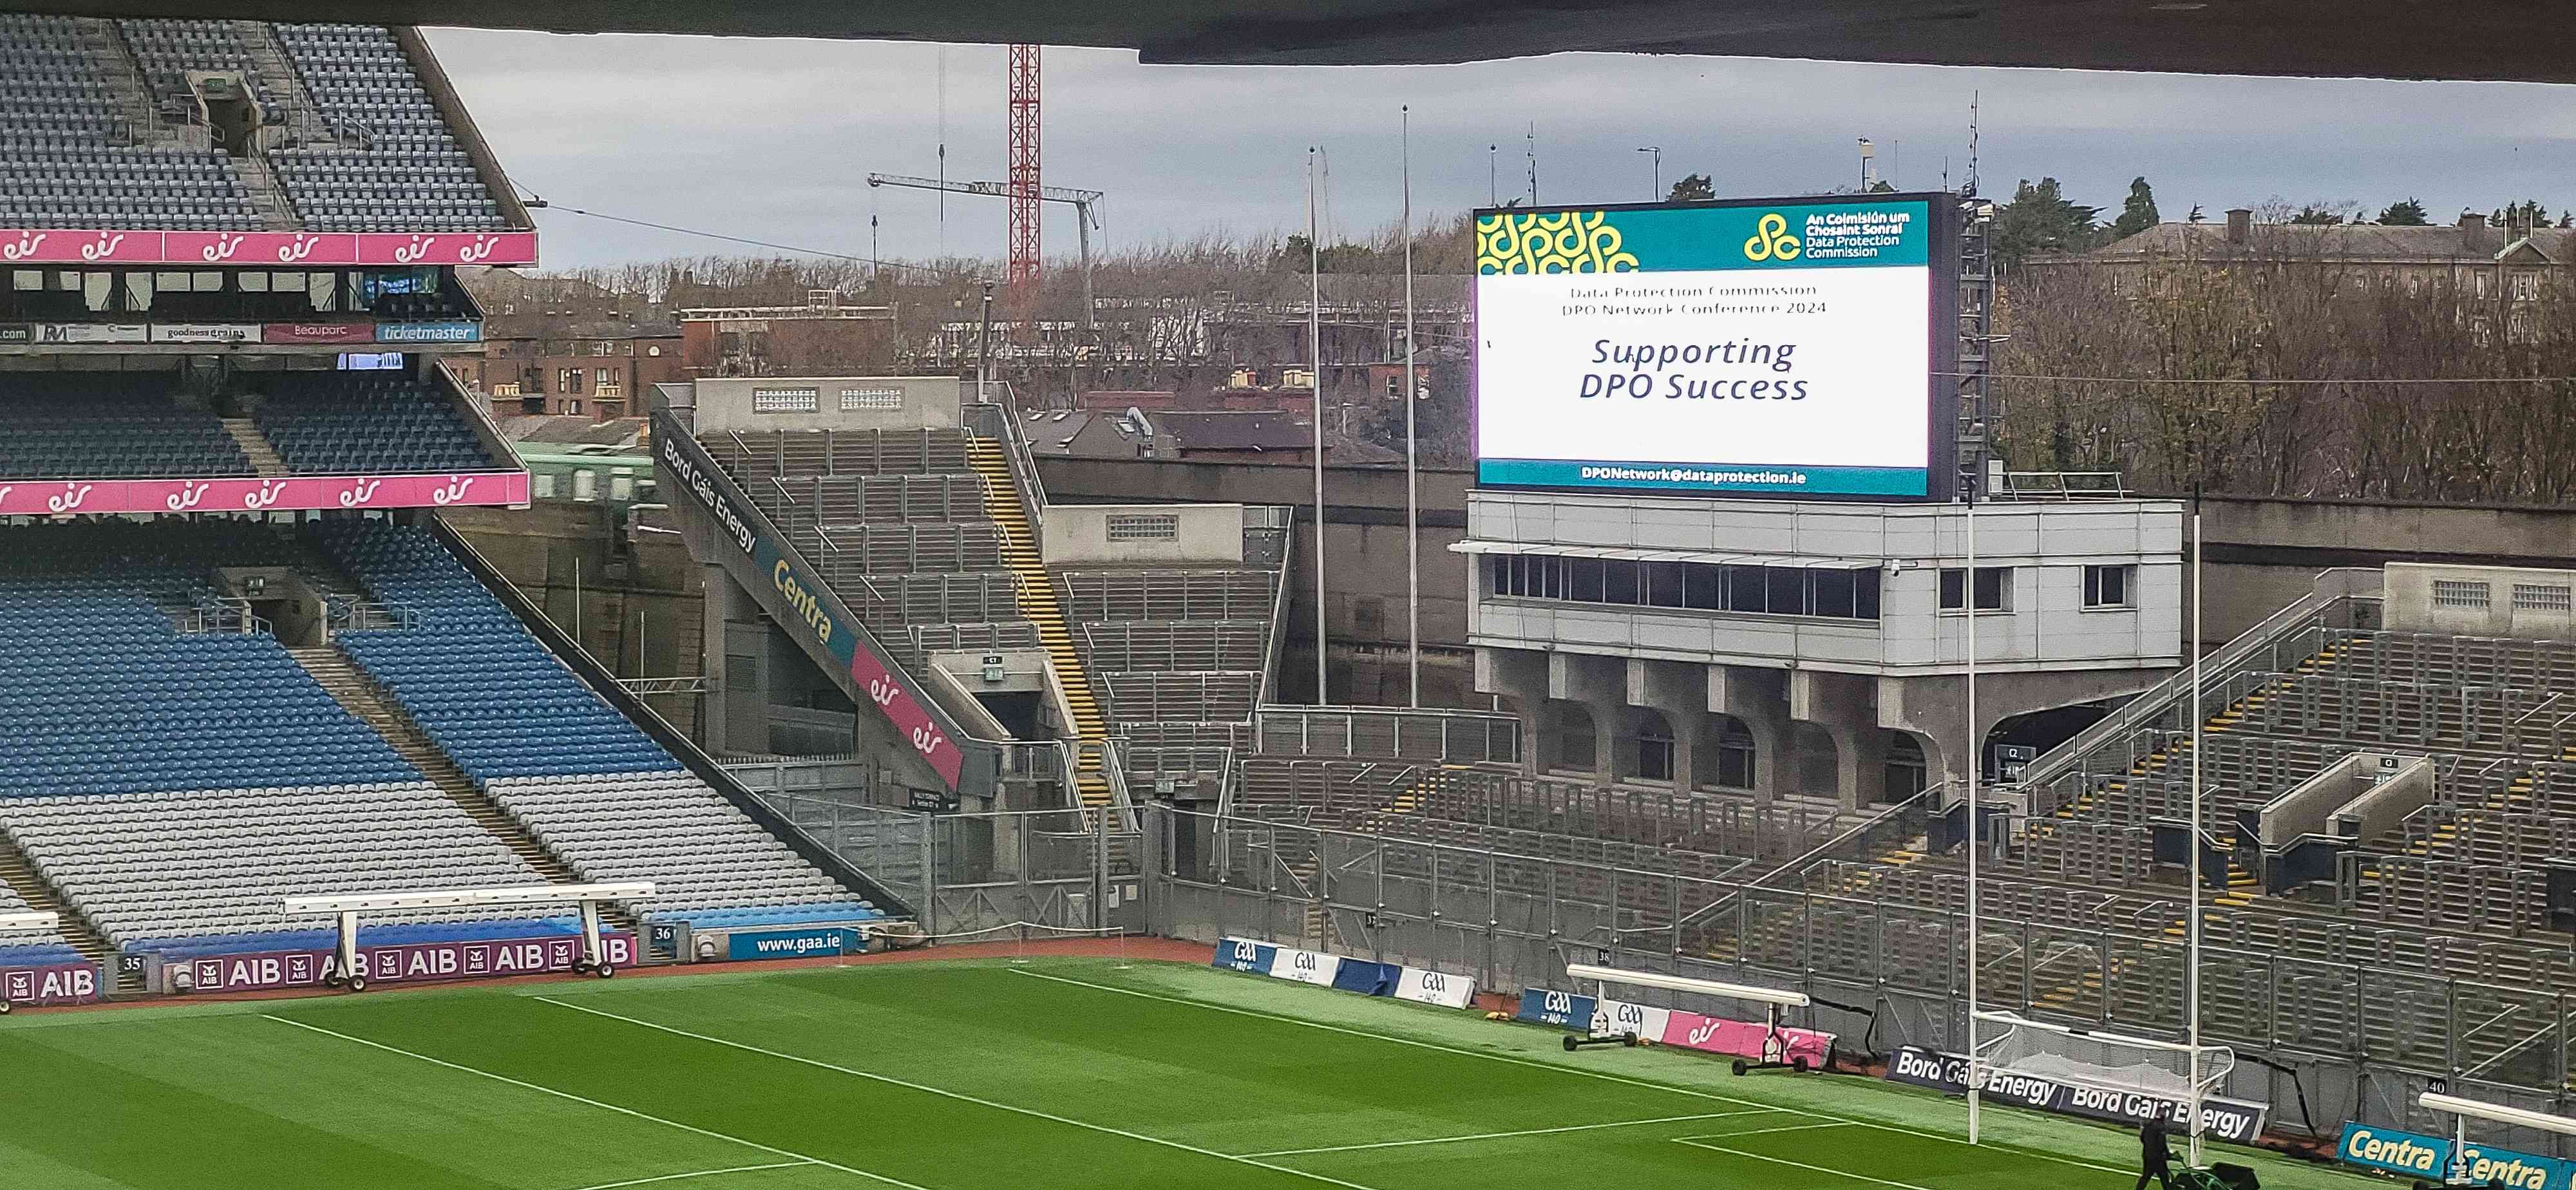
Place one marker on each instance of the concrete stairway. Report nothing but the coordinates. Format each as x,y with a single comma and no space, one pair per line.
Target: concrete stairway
264,459
22,879
1038,602
353,690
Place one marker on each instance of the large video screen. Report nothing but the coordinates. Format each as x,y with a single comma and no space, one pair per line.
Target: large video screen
1785,347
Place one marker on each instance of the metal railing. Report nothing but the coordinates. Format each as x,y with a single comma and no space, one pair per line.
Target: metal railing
1448,736
2301,625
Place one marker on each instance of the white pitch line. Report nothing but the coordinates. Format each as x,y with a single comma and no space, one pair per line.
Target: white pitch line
1840,1173
703,1173
1765,1131
1448,1140
623,1111
1578,1071
960,1096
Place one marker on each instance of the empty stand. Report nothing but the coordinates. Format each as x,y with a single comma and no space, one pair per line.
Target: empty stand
399,166
72,157
207,869
108,425
359,423
584,783
710,866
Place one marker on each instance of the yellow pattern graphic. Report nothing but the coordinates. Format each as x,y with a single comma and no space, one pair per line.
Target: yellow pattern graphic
1562,242
1771,240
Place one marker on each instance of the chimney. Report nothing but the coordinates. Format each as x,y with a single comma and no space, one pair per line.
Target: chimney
2473,232
2240,225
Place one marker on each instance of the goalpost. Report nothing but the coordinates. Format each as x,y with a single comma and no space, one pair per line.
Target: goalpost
2168,1070
587,897
24,921
1775,1051
2464,1110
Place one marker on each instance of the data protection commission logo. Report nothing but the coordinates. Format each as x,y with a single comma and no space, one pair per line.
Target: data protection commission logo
1771,239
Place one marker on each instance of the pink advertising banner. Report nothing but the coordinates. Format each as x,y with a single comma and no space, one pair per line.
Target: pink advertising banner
1745,1039
250,249
295,493
907,715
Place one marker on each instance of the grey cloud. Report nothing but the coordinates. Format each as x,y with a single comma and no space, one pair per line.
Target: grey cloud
773,139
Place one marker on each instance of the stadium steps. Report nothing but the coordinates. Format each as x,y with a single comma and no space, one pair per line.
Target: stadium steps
263,455
267,195
303,115
125,85
1038,602
354,691
22,879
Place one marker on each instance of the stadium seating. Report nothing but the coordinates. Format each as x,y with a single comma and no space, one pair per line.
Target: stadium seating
411,174
204,870
30,948
68,158
484,691
357,423
664,827
108,425
167,50
586,783
108,696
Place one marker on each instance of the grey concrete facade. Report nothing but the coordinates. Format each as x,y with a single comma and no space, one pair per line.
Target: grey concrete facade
1826,701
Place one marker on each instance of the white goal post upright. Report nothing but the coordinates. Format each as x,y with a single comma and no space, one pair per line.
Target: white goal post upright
2464,1110
1772,1000
347,907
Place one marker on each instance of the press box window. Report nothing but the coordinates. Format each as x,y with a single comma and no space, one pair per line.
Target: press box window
1994,588
2108,586
1144,526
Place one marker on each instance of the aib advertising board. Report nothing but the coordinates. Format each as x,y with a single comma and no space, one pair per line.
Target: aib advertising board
1781,347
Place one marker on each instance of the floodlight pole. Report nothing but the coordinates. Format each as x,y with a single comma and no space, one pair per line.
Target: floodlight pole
1412,476
1315,356
2191,959
1968,606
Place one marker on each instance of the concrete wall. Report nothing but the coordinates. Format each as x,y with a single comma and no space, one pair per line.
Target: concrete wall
2046,546
1203,535
1364,562
2265,552
639,613
2507,602
926,402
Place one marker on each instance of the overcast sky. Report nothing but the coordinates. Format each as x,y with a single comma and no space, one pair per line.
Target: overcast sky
773,139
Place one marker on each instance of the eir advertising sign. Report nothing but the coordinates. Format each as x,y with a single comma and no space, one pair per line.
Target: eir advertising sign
1792,347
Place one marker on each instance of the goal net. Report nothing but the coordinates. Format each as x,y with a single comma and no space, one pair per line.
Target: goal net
2103,1061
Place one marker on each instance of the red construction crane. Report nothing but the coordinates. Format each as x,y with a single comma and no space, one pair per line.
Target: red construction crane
1020,284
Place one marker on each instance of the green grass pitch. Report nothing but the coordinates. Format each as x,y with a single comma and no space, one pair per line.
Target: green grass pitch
956,1076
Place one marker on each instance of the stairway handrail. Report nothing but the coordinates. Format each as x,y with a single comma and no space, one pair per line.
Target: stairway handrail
678,445
2332,587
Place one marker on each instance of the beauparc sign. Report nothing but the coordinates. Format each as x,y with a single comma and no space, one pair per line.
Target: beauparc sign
295,493
251,249
419,963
